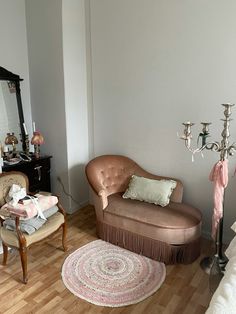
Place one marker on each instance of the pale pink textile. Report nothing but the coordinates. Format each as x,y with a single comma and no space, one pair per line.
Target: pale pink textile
30,210
107,275
218,175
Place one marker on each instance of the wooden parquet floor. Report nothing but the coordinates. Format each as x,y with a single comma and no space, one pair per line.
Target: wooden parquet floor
185,290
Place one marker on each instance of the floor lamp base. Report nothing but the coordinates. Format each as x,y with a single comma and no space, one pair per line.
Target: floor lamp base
214,264
206,264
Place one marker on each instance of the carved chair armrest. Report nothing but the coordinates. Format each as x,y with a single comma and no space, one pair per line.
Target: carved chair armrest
61,210
19,233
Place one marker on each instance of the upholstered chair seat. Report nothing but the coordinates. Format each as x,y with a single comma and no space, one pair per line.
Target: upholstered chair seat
53,223
176,223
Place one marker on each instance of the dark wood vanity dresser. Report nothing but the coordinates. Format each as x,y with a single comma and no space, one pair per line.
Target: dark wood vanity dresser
37,171
13,124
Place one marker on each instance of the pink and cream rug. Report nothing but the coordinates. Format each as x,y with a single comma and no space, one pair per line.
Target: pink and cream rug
104,274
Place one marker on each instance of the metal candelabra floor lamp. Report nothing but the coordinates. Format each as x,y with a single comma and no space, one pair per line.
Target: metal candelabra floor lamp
214,265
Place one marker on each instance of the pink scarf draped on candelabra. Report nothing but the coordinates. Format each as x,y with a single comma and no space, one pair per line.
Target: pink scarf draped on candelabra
218,175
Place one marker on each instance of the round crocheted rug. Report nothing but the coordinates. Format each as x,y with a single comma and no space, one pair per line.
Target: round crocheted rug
104,274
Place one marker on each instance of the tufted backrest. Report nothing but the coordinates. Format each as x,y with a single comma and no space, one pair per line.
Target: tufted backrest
7,179
112,173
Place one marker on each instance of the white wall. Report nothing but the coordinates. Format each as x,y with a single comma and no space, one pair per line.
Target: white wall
57,61
76,103
44,31
13,52
158,63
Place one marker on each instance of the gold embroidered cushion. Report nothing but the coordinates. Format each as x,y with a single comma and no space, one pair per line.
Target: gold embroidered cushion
148,190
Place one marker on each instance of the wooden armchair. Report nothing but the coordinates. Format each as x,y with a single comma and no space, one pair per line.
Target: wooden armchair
17,239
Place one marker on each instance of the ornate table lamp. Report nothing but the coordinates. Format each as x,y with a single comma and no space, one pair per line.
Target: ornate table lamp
11,139
37,140
215,264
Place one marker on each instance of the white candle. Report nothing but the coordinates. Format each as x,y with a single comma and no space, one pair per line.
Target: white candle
24,126
5,149
33,126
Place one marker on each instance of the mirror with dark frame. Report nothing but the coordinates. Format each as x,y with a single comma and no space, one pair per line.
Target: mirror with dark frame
12,117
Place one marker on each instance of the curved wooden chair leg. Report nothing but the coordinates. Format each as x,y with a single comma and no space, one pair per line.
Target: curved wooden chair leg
5,254
64,232
23,257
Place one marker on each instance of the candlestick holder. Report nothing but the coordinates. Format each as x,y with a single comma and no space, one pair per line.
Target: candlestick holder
37,151
26,145
215,264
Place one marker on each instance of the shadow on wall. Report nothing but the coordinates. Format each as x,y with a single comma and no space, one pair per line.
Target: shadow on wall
78,188
73,190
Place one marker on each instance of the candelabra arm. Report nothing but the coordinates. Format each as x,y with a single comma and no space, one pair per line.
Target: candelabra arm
214,146
232,149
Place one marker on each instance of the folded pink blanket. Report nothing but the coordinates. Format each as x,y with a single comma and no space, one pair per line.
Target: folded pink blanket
27,211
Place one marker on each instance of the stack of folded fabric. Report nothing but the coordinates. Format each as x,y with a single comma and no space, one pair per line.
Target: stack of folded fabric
33,214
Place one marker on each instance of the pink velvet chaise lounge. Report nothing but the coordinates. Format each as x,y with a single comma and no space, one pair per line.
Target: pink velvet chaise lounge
168,234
